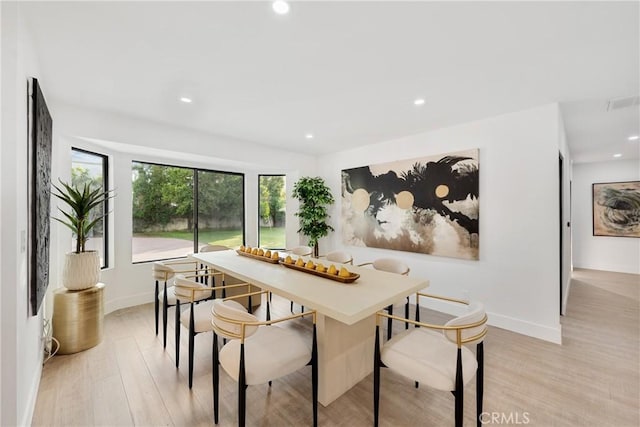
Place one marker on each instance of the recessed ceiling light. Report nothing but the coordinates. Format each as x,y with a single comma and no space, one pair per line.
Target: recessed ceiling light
617,155
309,136
280,7
186,100
418,101
633,138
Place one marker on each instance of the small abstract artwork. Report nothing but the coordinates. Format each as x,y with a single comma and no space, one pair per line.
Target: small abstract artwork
616,209
427,205
41,128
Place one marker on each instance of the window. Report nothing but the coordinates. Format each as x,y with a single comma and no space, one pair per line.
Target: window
92,168
165,200
272,220
220,208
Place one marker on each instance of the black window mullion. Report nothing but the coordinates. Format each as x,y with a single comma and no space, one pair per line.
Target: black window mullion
104,160
196,211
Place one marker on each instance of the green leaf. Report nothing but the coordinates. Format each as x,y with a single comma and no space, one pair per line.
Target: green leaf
81,202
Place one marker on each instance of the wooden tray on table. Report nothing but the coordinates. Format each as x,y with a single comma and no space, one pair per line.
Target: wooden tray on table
258,257
352,276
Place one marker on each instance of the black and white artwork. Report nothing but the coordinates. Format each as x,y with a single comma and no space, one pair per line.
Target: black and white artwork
616,209
41,128
428,205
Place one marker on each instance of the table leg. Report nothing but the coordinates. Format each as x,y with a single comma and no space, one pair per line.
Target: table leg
345,355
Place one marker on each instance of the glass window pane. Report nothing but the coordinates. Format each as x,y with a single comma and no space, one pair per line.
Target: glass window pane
162,212
90,168
271,231
220,209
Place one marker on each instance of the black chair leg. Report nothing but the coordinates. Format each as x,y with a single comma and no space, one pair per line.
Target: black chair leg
177,332
192,335
479,382
389,324
406,314
268,309
376,378
242,390
157,306
165,309
215,368
459,392
291,308
314,376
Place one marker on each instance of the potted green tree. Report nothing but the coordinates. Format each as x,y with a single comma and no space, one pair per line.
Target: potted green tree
314,197
81,268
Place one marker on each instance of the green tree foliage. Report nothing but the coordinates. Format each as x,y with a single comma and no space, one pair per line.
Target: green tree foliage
314,197
81,201
272,199
163,193
220,196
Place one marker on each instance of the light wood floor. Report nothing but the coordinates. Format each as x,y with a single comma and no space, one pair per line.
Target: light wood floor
591,380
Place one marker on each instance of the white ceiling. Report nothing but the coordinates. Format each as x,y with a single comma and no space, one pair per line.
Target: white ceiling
347,72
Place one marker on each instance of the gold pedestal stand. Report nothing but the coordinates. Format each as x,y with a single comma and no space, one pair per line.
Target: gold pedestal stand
78,318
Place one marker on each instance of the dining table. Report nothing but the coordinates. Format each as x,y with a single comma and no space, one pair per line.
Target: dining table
345,312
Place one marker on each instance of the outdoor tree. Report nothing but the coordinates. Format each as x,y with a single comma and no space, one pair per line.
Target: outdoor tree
272,199
151,203
80,176
220,197
164,193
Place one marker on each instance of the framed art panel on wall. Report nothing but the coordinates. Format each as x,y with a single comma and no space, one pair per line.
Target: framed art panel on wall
427,205
616,209
40,142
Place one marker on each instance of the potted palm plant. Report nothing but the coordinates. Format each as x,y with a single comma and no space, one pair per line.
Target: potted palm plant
314,197
81,268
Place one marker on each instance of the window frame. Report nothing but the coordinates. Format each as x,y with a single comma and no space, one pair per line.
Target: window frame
105,186
196,227
259,199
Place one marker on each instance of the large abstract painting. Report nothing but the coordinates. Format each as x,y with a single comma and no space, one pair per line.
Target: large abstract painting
428,205
616,209
39,196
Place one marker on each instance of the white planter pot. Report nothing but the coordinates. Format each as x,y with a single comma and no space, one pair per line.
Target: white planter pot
81,271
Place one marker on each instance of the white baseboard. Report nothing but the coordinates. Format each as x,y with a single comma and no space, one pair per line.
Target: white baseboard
519,326
130,301
523,327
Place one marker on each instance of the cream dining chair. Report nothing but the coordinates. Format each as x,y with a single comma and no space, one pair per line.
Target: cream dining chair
436,355
214,248
392,265
164,272
254,353
339,257
197,318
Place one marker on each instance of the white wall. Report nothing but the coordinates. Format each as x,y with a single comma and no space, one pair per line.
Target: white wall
517,276
19,331
621,254
126,139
